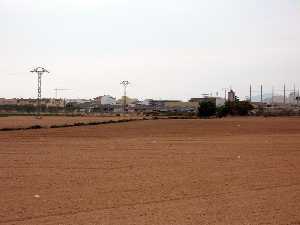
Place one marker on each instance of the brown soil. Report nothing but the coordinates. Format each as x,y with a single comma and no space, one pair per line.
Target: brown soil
47,121
166,172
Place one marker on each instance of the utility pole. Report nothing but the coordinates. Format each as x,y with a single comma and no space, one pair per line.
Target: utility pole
39,71
125,84
250,93
225,93
294,94
261,93
284,94
56,95
272,95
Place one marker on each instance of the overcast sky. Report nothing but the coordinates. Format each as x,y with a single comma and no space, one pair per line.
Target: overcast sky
169,49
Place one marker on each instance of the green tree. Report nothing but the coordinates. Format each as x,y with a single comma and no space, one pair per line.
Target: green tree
207,109
243,108
223,111
236,108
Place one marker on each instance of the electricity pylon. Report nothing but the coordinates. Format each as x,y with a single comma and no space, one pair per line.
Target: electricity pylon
125,84
40,71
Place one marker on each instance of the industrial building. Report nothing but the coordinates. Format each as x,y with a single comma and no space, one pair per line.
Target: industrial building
218,101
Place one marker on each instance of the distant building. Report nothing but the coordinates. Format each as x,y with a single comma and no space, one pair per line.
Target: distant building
4,101
179,106
97,100
128,100
108,100
78,101
146,102
231,96
292,98
218,101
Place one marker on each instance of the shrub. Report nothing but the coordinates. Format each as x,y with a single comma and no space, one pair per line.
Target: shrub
237,108
207,109
243,108
222,111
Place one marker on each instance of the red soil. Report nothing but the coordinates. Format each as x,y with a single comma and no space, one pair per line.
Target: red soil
47,121
167,172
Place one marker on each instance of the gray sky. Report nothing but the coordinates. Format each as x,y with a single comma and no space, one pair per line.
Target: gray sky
173,49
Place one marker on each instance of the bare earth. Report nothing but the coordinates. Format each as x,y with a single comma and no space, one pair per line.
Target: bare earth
167,172
47,121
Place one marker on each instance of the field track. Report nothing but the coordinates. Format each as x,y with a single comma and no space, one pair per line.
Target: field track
237,171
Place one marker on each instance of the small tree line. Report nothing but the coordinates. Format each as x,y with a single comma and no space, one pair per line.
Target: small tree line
208,109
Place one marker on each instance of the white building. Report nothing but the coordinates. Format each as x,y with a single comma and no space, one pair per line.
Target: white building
146,102
220,101
108,100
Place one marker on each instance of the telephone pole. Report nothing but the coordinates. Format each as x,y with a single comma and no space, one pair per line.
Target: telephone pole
294,94
225,93
284,94
56,96
272,95
250,93
261,93
39,71
125,84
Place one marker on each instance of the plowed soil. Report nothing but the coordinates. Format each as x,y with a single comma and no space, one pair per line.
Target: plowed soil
241,171
47,121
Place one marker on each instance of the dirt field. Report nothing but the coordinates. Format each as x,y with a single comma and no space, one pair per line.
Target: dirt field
47,121
166,172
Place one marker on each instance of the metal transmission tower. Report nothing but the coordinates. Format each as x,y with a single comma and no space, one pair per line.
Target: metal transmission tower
40,71
125,84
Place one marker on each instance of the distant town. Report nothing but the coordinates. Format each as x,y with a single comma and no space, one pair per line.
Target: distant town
109,104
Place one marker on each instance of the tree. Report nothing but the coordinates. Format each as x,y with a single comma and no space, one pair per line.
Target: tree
243,108
207,109
236,108
222,111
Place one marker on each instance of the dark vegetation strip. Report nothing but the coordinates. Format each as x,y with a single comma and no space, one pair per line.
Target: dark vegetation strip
34,127
78,124
94,123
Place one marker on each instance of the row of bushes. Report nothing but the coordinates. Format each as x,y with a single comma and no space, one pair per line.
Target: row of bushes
237,108
78,124
34,127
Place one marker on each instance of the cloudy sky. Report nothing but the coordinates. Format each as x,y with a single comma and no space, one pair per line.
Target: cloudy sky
173,49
